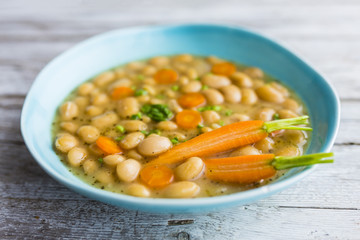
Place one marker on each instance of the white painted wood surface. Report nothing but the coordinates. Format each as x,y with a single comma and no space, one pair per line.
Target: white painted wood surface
325,205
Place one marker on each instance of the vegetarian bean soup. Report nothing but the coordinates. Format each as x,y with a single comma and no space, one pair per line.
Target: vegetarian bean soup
109,130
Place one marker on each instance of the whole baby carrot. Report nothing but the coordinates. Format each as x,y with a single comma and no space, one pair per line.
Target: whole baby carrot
253,168
228,137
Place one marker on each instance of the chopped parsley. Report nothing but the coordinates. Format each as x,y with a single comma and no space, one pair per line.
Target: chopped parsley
118,139
140,77
276,116
120,128
221,123
200,125
206,108
140,92
228,112
204,87
175,140
157,112
136,116
147,133
101,160
175,88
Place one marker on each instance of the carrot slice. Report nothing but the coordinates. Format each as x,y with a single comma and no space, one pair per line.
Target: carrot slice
188,119
226,138
121,92
157,176
108,145
191,100
224,68
166,76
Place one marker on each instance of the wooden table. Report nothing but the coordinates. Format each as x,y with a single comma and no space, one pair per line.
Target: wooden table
325,205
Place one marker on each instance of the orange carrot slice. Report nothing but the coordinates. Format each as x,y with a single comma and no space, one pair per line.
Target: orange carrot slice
166,76
226,138
121,92
224,68
188,119
157,176
191,100
108,145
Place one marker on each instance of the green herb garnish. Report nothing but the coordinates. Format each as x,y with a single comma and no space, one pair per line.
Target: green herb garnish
140,77
101,160
221,123
200,125
276,116
204,87
120,128
228,112
136,116
157,112
140,92
118,139
175,140
175,88
160,96
206,108
147,133
197,79
133,88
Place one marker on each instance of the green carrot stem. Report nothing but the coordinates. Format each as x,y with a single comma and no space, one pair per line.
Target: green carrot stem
289,123
282,162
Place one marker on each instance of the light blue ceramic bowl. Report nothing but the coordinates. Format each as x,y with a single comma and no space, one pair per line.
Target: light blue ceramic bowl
110,49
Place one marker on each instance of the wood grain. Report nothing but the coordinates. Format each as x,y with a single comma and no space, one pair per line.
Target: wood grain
325,205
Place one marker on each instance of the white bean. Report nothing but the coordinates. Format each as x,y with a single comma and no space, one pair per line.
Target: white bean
210,116
138,190
249,96
104,79
128,170
65,142
76,156
90,166
127,107
182,189
154,145
113,160
243,151
167,125
134,125
85,89
215,81
285,113
132,140
190,169
69,110
71,127
192,86
213,96
88,133
105,120
242,80
105,176
231,93
266,114
100,100
270,94
266,145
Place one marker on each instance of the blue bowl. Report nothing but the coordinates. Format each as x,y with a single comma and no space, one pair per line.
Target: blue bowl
110,49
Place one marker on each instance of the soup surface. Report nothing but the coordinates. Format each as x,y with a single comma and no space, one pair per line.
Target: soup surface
108,128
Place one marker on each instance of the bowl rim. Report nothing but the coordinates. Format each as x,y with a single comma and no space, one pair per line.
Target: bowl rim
255,193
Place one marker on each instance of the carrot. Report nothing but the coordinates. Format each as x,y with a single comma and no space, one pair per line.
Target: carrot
188,119
226,138
121,92
166,76
253,168
224,68
108,145
157,176
191,100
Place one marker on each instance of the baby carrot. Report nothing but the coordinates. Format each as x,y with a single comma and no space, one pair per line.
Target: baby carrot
224,68
253,168
121,92
108,145
228,137
166,76
157,176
